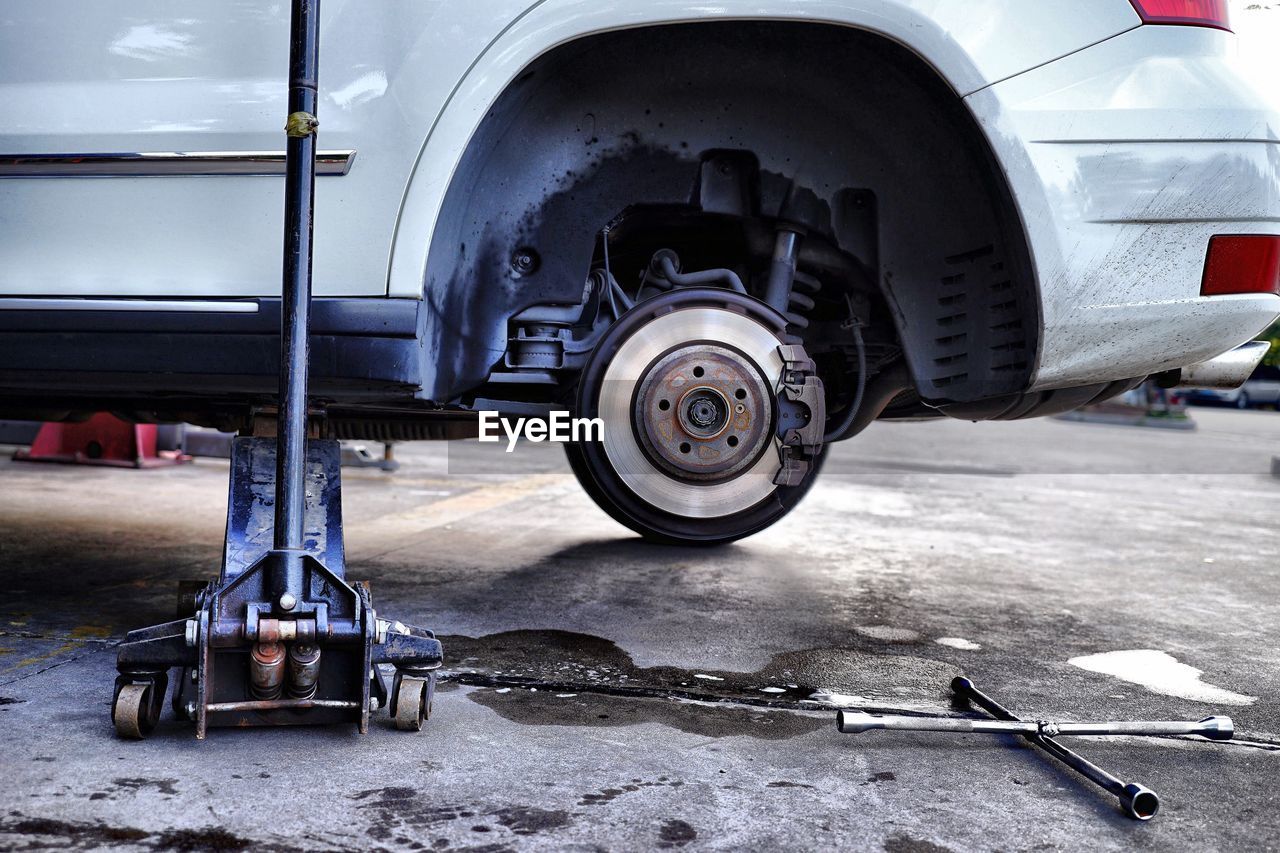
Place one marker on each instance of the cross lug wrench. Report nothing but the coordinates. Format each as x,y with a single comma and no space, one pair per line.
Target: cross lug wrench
853,722
1137,801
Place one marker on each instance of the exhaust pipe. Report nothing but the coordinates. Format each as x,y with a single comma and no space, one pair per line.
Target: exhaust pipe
1228,370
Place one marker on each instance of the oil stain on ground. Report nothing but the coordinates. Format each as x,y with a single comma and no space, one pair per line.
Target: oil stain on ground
906,844
607,795
401,814
565,678
42,833
675,833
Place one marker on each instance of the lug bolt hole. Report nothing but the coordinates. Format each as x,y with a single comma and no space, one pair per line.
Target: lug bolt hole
664,404
698,371
685,447
733,441
741,393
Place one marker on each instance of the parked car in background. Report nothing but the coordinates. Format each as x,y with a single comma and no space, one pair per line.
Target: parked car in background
1261,389
736,231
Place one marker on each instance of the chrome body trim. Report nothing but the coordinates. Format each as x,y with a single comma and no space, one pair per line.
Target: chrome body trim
152,164
59,304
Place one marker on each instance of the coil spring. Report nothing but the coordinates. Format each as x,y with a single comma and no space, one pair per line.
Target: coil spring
801,301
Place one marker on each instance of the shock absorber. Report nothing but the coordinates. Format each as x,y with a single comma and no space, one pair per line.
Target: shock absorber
782,267
790,290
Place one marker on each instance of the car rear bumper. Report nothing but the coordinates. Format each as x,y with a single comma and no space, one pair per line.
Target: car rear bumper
1124,159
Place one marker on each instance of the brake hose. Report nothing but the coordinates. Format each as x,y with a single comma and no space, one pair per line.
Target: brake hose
851,411
667,266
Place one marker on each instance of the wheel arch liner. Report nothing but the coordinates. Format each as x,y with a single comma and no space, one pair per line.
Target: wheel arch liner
623,117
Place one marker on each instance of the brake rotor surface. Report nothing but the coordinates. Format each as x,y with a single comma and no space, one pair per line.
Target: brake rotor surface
688,409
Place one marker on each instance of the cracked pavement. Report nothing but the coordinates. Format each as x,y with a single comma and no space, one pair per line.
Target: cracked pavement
601,693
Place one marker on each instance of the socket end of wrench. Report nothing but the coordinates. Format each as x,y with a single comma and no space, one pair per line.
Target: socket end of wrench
853,722
1139,802
1218,728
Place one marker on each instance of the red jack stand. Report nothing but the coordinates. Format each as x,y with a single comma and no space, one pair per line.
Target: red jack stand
102,440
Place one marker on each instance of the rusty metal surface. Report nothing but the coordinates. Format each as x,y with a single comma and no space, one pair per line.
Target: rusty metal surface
266,670
704,412
304,670
280,705
130,711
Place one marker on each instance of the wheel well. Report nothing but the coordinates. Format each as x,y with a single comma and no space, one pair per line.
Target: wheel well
624,118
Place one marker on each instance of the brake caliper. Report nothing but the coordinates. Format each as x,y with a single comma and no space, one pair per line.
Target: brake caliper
802,411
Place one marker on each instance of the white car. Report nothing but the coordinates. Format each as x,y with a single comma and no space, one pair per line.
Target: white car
735,231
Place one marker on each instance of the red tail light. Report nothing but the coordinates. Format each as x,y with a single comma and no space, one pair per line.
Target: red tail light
1193,13
1242,263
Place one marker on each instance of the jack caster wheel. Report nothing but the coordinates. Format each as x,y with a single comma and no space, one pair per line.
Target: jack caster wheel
412,704
687,387
137,705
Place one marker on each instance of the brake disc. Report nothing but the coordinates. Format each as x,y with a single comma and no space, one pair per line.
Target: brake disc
690,408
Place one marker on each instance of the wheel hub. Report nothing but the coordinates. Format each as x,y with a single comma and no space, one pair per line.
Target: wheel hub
703,412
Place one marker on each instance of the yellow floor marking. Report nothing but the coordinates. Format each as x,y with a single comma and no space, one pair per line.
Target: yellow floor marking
454,509
78,637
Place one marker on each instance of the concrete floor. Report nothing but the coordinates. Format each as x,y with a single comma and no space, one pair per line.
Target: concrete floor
605,694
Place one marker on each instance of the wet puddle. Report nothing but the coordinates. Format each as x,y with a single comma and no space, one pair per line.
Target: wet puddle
565,678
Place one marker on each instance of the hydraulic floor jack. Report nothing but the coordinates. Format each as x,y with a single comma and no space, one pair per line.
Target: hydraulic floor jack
282,637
